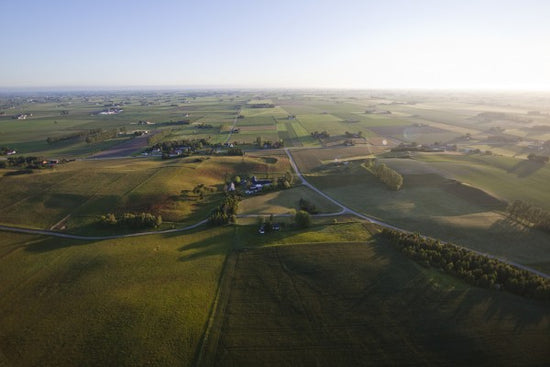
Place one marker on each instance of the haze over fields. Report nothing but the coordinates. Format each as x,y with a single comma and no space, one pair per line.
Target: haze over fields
288,44
264,183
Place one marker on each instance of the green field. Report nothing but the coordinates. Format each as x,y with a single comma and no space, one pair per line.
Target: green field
332,294
283,202
77,193
505,177
343,304
432,204
121,302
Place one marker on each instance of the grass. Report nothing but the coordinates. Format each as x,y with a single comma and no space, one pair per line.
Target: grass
364,304
505,177
435,206
121,302
82,191
282,202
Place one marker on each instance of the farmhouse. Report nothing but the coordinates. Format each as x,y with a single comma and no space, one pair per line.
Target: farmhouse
22,116
257,185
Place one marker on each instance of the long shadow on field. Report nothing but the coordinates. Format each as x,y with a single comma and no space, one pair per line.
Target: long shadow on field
367,304
209,246
526,168
54,243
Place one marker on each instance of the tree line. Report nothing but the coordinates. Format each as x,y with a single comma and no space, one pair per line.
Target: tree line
388,176
90,136
530,215
474,268
30,162
172,145
131,220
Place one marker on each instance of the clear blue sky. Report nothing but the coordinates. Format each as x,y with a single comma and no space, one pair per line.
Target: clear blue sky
300,43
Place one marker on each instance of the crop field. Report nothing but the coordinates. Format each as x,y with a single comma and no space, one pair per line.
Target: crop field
310,159
364,304
333,293
435,205
505,177
121,302
29,136
79,192
421,135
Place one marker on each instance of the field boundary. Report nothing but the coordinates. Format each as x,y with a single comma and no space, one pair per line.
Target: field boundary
210,340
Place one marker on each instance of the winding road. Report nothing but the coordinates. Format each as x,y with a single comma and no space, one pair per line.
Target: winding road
344,211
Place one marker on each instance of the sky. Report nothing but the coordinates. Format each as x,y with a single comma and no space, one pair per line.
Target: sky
361,44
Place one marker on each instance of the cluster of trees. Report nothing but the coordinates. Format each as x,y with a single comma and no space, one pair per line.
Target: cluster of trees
101,135
201,190
179,122
235,151
358,134
285,182
261,143
538,158
307,206
320,135
475,269
91,136
131,220
226,212
388,176
56,139
302,219
530,215
261,105
171,146
24,162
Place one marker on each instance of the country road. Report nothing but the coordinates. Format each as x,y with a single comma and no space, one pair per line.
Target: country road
344,210
97,238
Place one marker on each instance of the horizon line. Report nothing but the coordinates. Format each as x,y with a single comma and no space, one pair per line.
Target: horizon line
134,88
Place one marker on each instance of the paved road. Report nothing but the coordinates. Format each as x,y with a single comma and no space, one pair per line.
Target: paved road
97,238
344,210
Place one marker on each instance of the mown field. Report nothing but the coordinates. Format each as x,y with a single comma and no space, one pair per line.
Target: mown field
331,294
284,202
343,304
433,202
77,193
505,177
126,302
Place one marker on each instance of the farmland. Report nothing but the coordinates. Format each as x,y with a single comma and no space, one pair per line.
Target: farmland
355,303
432,201
333,293
121,302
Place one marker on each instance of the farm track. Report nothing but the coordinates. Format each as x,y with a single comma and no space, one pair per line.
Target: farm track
344,211
233,126
211,336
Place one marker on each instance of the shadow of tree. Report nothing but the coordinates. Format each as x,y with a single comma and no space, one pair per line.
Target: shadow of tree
209,245
526,168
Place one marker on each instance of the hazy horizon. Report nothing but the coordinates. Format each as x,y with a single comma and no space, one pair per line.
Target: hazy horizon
425,45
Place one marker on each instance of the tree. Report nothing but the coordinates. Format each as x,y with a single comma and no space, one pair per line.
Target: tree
302,219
